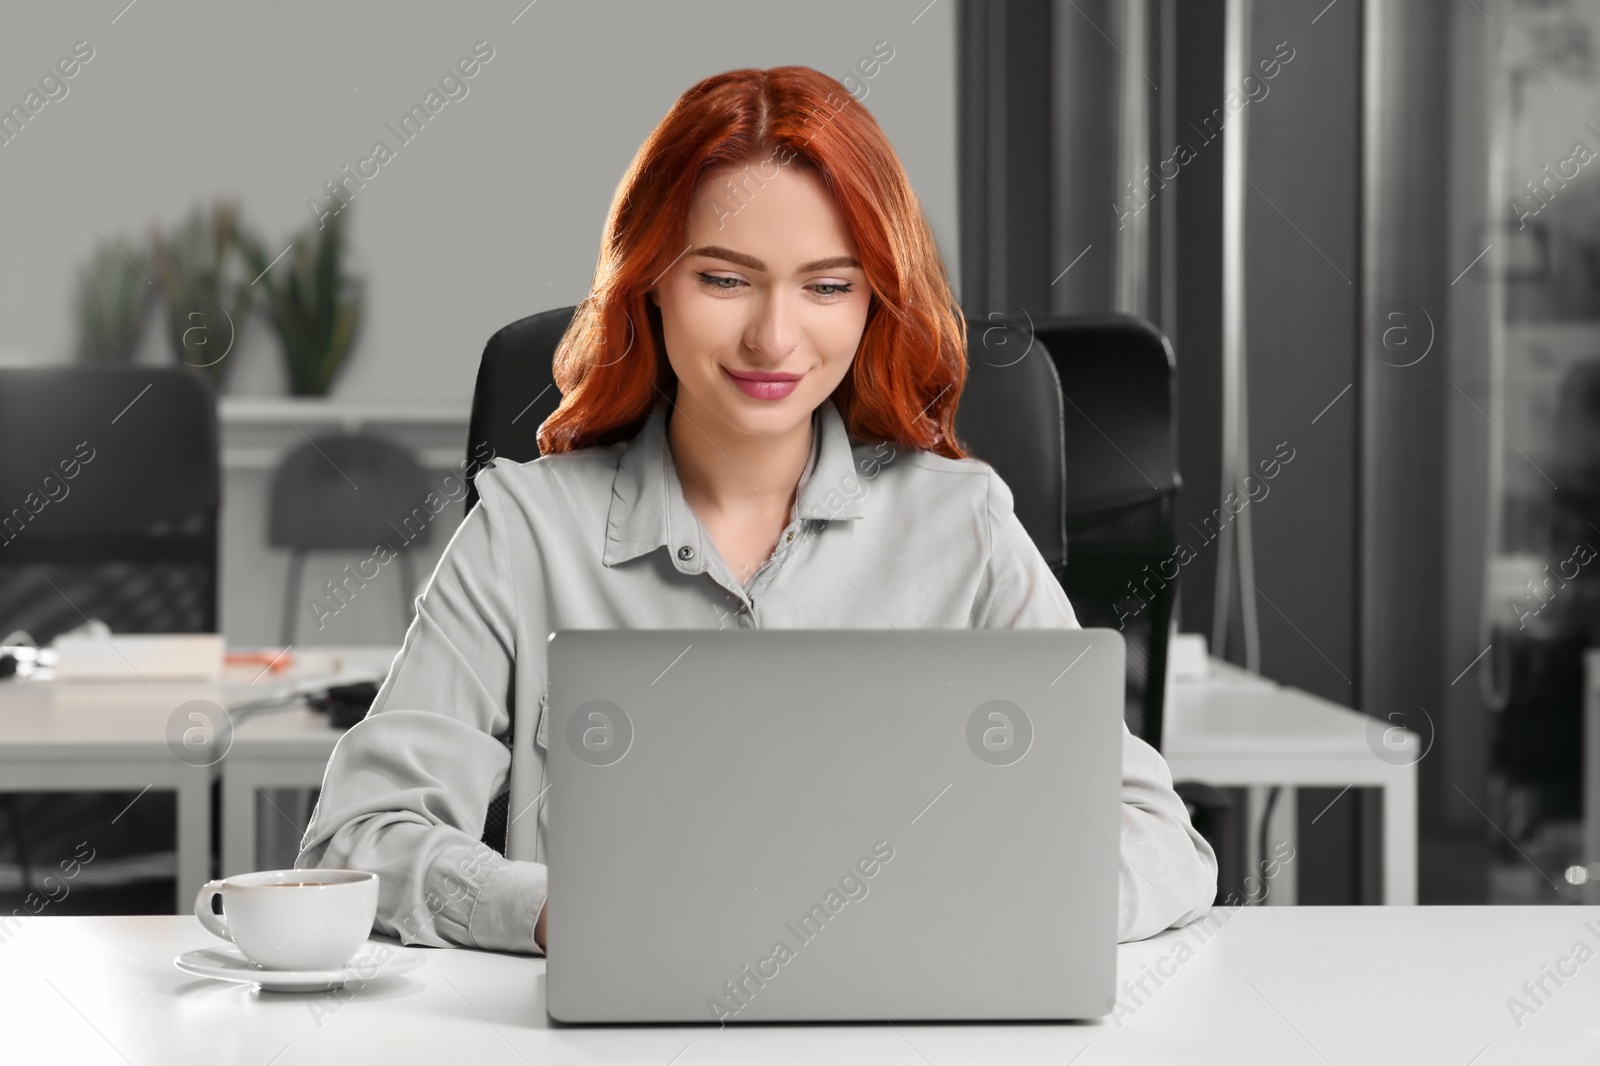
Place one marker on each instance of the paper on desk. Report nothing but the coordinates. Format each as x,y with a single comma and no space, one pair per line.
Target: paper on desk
138,656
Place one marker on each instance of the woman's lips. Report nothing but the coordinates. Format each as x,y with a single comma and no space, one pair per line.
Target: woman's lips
765,386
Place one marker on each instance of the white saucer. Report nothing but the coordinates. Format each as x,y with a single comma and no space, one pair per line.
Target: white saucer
227,963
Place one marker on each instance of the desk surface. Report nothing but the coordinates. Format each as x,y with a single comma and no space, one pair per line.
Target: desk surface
1229,710
1331,985
1239,720
1230,713
133,719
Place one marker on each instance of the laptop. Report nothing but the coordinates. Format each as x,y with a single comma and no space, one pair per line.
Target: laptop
833,825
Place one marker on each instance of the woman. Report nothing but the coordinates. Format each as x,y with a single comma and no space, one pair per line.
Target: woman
794,326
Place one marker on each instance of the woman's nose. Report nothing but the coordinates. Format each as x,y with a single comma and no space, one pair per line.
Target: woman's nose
772,331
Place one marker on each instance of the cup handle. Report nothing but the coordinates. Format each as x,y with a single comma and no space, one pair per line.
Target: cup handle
216,925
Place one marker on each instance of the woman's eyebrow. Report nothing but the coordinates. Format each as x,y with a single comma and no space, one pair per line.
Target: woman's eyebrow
715,251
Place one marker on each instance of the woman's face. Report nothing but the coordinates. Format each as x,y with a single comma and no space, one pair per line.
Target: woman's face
769,286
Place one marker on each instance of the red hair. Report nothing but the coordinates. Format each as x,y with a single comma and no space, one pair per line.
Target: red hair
911,364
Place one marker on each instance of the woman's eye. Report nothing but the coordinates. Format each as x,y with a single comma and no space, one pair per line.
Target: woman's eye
831,290
840,288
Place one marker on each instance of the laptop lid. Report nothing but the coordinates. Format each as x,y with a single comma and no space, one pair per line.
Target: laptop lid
791,825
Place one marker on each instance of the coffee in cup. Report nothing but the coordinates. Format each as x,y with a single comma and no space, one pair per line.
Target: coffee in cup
293,919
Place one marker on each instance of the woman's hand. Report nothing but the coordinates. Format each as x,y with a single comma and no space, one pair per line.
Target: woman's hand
538,928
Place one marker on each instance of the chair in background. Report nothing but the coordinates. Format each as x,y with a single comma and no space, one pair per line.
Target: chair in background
1010,416
1119,388
348,492
131,538
110,487
1118,384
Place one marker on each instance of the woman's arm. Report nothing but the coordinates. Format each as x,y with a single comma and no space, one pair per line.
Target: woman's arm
406,790
1168,870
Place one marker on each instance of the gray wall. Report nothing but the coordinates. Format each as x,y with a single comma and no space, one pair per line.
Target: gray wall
491,213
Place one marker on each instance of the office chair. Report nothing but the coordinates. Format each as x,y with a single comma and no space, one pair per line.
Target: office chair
515,392
1010,416
348,492
1119,386
131,537
110,487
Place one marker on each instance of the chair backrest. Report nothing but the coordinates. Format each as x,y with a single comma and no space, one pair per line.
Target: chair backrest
110,485
348,491
516,391
1119,386
1010,416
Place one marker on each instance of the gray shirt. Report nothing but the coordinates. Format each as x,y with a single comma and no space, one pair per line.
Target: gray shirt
603,538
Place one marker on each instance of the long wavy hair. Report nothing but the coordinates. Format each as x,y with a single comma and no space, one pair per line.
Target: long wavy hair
910,367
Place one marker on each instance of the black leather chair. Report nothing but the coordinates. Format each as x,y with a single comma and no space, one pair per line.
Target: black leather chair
133,538
129,538
515,391
1010,416
1119,391
1119,386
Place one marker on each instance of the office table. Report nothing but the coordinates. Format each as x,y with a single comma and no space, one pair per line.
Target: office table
1232,728
1229,728
82,737
1235,728
58,736
1313,985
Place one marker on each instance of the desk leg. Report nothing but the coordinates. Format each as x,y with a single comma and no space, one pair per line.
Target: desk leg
1255,804
1400,837
194,835
238,821
1283,889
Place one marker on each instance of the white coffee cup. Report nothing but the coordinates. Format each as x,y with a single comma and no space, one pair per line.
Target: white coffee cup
293,919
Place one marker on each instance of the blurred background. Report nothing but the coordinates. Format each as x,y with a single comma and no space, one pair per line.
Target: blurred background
1366,231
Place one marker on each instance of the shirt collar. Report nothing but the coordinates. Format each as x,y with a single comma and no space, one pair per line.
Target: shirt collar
647,505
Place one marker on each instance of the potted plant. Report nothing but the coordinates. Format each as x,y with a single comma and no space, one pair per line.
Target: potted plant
113,299
207,295
313,304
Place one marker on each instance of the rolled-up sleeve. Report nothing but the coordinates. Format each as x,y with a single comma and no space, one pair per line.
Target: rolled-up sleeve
1168,872
406,790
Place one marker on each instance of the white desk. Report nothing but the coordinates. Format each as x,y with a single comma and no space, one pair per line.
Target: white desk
1233,728
92,736
1236,728
95,737
1314,985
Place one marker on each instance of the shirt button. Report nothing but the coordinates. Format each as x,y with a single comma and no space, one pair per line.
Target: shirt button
790,535
686,552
